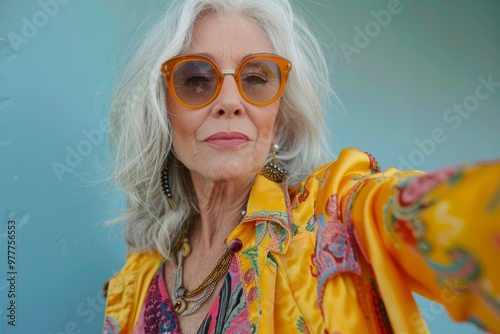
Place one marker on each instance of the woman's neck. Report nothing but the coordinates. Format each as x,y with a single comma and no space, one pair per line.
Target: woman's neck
221,204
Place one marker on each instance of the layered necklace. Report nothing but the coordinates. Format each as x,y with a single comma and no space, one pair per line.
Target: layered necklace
200,294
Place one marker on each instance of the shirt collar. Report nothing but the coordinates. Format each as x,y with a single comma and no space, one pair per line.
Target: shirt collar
269,214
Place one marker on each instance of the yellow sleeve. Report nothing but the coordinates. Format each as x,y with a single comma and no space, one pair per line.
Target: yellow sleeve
436,234
127,291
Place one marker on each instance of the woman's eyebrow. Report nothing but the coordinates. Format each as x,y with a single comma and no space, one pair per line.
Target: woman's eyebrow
212,57
206,54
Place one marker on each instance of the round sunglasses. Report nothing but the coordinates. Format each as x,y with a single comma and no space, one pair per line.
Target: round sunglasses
195,80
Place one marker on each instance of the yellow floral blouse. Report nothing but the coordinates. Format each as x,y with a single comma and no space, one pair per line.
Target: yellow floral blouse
342,252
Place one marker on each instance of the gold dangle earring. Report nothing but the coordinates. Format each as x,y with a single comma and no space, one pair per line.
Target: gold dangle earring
271,170
166,187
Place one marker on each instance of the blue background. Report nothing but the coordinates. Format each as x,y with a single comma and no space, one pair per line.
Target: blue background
55,88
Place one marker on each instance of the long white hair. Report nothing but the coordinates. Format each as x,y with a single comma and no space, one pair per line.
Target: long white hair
141,133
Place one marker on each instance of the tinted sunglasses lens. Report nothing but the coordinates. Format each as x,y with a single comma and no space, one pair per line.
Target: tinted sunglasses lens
195,82
260,80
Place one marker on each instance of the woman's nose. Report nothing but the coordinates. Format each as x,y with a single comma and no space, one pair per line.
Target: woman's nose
229,102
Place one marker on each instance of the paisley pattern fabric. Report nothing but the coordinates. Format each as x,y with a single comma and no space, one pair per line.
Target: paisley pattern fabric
228,314
342,252
157,314
110,326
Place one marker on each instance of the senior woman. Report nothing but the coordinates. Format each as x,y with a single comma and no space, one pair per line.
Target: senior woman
237,224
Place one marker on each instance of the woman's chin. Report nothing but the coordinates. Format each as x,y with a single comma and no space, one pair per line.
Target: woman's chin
228,172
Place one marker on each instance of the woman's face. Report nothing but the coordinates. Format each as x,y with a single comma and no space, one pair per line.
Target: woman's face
229,138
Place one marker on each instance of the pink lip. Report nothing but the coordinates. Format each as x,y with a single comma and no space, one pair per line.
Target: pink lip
227,139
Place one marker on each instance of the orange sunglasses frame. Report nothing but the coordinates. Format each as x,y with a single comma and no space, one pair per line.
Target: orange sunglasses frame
169,66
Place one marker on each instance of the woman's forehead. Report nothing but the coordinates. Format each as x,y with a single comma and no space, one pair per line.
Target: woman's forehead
228,38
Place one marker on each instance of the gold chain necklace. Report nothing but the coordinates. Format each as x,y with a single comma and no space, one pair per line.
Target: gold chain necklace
200,294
